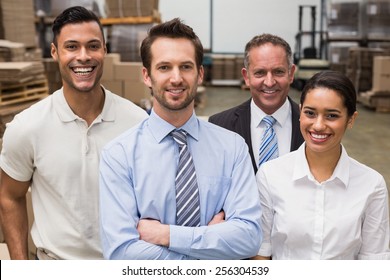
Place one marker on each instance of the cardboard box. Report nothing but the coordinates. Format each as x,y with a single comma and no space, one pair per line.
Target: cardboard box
50,65
114,86
18,21
57,6
379,101
128,71
53,74
11,51
126,39
378,18
131,8
136,91
381,73
344,19
4,254
108,68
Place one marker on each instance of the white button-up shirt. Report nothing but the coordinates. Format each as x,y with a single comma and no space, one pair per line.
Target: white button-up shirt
344,217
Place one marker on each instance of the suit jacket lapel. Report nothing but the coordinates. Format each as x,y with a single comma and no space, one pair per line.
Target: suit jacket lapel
242,125
296,137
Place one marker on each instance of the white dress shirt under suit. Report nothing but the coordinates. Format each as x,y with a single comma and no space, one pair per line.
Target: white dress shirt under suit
282,127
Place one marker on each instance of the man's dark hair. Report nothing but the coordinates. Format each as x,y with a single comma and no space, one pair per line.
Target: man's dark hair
174,29
76,14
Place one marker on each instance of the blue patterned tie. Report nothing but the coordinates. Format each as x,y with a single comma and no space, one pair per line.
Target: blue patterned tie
269,142
187,193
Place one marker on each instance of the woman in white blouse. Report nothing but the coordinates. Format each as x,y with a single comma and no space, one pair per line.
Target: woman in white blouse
318,203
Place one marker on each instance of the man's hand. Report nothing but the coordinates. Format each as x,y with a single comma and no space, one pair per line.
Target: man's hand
154,232
218,218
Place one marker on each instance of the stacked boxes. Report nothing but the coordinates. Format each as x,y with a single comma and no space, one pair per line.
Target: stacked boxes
53,8
11,51
381,74
239,66
125,79
230,67
131,8
53,74
226,69
57,6
110,61
17,21
126,40
22,79
21,82
33,54
378,19
378,97
359,19
338,55
217,69
20,72
359,66
344,19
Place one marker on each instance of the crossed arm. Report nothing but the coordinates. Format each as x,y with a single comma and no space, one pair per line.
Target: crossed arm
154,232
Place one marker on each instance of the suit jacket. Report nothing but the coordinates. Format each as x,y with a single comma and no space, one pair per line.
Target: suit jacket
238,119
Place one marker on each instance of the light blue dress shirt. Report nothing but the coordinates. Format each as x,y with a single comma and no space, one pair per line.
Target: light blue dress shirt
137,181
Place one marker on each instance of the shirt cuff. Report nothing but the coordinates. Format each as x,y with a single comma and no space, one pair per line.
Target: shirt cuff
265,250
180,239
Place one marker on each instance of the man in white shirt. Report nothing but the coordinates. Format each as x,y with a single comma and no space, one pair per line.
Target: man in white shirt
54,147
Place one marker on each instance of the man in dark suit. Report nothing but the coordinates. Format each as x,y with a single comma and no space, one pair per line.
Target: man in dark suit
268,72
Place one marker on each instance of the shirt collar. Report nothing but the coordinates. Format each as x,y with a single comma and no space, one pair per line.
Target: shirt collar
281,115
341,172
342,168
66,114
301,167
109,112
160,128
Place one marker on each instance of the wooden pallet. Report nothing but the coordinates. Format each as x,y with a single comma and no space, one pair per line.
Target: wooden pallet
379,103
22,92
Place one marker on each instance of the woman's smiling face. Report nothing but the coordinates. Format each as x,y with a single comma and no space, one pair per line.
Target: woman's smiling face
324,120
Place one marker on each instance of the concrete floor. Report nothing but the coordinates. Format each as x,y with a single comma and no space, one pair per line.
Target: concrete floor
368,141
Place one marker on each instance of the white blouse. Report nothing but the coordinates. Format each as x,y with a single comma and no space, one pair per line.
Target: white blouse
345,217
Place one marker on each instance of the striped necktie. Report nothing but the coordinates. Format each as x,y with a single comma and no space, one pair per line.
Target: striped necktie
269,142
187,193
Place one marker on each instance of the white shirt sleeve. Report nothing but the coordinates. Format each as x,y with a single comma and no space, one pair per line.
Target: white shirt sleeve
267,213
375,229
